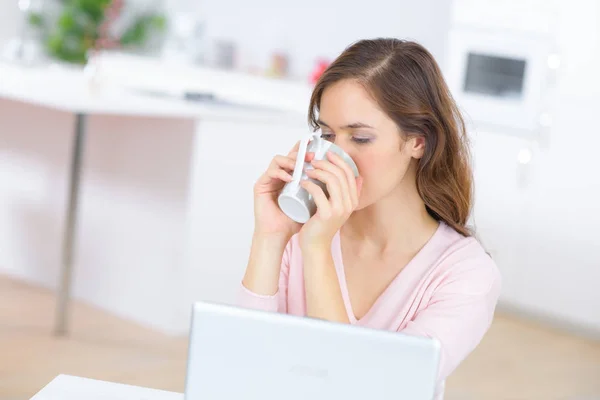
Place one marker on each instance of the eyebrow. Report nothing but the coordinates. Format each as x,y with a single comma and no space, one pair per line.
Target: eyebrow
353,125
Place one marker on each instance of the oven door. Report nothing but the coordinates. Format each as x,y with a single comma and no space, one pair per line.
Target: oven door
498,78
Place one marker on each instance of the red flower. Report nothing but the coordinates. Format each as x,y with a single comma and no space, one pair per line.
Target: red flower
316,73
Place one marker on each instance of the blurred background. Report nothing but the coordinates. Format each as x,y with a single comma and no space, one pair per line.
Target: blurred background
131,133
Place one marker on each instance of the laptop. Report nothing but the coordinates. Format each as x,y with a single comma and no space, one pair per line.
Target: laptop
237,353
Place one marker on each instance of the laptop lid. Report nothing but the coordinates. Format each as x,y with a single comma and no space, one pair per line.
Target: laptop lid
237,353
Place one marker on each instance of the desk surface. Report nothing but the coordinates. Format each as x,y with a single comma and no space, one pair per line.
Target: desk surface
68,89
67,387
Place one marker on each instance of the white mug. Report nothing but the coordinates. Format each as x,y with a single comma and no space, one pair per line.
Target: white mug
294,200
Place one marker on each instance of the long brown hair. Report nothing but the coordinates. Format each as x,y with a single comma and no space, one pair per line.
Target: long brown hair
406,82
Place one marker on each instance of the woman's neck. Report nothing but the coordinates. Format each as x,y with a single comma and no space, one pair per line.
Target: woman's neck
398,222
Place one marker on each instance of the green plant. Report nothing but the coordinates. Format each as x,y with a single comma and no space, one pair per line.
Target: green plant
77,29
139,31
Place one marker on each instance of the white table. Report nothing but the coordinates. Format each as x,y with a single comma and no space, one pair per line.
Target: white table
68,89
67,387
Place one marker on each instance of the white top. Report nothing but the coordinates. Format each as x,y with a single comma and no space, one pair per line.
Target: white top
68,88
66,387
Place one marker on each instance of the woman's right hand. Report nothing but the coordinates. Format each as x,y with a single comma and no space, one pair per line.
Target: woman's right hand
268,217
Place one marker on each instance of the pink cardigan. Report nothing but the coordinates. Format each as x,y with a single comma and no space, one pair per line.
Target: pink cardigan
448,291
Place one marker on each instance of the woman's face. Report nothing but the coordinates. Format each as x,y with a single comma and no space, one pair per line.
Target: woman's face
350,118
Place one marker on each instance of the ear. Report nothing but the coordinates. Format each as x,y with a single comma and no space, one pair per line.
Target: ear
417,147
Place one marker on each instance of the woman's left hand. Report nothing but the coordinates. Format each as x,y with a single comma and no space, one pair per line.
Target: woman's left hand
344,191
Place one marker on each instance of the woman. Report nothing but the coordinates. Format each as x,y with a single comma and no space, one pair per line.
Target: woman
390,249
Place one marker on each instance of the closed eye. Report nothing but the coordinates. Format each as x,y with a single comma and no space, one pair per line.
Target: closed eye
356,139
360,140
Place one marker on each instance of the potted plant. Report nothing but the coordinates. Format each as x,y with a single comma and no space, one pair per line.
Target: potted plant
80,26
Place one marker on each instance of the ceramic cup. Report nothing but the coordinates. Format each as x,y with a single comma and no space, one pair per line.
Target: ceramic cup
294,200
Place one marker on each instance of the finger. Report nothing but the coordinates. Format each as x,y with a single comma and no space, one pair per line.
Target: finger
274,174
339,174
279,168
283,162
336,193
279,174
323,206
307,158
349,175
295,148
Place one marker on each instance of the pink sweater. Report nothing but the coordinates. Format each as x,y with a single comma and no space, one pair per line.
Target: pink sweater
448,291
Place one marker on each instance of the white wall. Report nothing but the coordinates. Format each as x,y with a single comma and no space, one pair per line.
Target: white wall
9,20
543,234
131,225
311,29
33,170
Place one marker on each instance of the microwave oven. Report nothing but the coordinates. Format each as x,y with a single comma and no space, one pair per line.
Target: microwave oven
499,77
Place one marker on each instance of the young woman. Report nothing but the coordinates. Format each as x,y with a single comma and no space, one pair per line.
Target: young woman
390,249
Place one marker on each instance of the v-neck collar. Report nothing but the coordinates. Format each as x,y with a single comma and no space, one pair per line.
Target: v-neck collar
397,283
